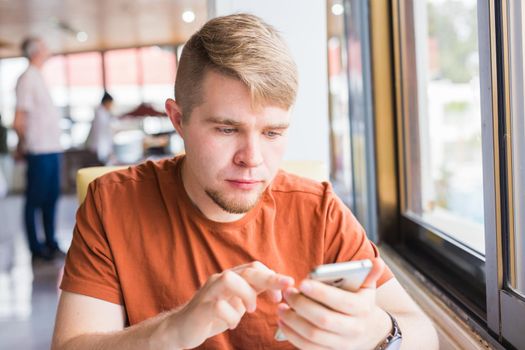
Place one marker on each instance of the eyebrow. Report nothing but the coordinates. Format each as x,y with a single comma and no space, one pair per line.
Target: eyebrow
231,122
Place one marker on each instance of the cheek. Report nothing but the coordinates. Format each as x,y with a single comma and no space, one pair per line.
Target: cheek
274,154
210,153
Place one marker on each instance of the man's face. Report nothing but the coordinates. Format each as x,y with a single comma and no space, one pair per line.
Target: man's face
43,51
232,151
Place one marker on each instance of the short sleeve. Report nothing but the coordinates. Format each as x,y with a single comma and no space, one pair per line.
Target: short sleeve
90,268
345,238
24,94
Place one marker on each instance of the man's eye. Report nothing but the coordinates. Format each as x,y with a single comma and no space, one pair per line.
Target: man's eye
226,131
273,134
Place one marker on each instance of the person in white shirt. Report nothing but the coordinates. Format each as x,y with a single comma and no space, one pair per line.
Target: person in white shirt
100,137
37,124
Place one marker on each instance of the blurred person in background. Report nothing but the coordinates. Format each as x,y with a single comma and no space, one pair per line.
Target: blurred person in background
100,137
37,126
4,158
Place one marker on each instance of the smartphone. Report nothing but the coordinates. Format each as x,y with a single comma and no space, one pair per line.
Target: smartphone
346,275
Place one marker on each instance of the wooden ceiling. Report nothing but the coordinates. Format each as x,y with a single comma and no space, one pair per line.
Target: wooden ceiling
108,23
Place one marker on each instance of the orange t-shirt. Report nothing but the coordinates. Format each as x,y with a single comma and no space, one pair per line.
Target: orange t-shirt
141,243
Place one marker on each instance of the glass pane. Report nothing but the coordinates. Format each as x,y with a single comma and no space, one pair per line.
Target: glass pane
85,90
340,149
122,79
446,185
158,72
10,70
54,72
517,79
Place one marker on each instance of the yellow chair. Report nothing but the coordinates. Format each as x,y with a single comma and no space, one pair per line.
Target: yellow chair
86,175
311,169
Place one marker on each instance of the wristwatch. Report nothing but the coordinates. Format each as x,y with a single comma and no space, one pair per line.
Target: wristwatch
393,340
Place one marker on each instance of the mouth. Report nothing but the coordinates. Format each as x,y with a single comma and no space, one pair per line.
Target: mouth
244,184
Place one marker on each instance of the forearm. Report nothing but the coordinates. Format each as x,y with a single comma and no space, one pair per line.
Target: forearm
149,334
19,123
418,331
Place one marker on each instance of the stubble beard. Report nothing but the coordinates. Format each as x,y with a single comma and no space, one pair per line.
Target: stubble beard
232,206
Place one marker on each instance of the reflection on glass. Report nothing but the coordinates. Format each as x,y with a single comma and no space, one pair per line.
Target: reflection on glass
340,149
449,125
85,91
158,67
122,78
10,70
54,72
517,79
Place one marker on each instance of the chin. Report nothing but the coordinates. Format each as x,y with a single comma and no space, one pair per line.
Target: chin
235,204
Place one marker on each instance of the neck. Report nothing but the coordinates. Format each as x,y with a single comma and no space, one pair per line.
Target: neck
37,64
202,201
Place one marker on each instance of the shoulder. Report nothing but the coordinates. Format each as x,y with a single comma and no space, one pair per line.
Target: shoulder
142,173
288,184
25,77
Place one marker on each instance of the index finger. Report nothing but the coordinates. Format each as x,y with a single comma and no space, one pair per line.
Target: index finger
262,280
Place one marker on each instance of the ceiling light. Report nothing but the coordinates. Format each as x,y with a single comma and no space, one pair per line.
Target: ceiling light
188,16
338,9
82,37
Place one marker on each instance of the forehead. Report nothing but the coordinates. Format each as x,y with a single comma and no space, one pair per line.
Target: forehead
228,97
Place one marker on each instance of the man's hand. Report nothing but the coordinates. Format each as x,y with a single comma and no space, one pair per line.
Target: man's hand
325,317
222,301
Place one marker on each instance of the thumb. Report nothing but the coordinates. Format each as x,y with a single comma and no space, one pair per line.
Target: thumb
378,266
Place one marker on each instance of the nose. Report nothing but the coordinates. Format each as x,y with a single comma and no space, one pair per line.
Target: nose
249,154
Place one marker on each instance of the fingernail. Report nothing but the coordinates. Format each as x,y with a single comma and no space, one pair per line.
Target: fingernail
305,287
281,308
252,308
286,280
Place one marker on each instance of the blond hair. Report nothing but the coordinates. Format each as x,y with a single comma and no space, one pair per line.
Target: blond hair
240,46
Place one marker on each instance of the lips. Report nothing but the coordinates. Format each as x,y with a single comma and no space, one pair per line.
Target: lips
244,184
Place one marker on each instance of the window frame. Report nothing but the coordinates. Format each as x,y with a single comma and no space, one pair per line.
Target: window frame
443,260
511,306
503,311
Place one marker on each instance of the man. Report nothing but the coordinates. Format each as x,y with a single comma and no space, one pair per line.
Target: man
195,251
100,137
37,125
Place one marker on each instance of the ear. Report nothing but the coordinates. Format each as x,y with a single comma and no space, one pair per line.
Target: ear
175,114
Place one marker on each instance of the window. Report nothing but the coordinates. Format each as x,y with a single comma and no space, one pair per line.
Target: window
445,183
351,122
510,139
10,70
461,151
122,78
517,112
158,66
340,150
439,140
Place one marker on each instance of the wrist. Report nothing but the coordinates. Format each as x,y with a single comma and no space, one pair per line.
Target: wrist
381,326
165,334
393,339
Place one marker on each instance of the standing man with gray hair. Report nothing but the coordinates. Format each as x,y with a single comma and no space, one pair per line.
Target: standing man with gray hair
37,126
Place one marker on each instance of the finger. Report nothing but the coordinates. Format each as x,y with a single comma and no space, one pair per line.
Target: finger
227,313
308,330
237,304
318,314
296,339
275,295
254,264
374,275
229,284
346,302
262,279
